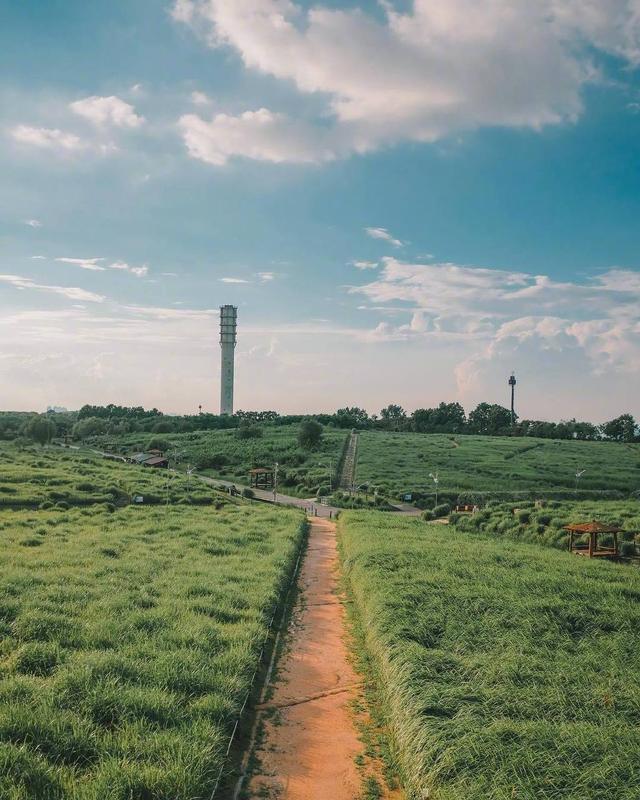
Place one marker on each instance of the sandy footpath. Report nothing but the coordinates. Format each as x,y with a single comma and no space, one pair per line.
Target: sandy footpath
310,740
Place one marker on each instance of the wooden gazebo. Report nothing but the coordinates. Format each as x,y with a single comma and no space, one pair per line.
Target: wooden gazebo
261,478
592,548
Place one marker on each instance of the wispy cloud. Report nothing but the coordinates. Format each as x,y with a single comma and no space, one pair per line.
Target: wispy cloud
496,309
48,139
71,292
200,99
139,272
365,264
91,264
33,223
266,277
384,235
233,280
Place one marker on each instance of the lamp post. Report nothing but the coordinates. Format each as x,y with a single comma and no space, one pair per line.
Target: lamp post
435,481
275,482
190,470
579,474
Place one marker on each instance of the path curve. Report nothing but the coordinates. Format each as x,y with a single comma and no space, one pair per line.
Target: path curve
310,741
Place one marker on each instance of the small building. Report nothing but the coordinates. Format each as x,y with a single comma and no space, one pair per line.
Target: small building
156,461
593,547
261,478
150,459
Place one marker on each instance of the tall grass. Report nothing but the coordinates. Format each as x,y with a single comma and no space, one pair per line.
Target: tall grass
128,643
401,462
36,477
545,525
505,670
224,455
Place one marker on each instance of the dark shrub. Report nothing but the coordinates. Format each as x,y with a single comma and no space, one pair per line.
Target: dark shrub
441,510
158,443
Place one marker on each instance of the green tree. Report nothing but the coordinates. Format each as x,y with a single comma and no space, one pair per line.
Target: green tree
90,426
393,417
310,434
352,417
620,429
40,430
489,419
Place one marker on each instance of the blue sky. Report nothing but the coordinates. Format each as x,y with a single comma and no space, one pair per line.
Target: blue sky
406,201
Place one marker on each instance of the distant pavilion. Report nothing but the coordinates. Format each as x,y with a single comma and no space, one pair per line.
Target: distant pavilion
593,547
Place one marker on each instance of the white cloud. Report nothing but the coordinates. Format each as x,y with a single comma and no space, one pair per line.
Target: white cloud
365,264
266,277
233,280
200,99
139,272
495,311
261,135
110,110
33,223
39,258
183,11
383,233
71,292
439,67
91,264
47,139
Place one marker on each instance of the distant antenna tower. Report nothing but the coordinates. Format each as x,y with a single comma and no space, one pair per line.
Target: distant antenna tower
512,384
228,339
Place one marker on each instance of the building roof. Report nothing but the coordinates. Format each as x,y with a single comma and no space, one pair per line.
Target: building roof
260,470
155,461
592,527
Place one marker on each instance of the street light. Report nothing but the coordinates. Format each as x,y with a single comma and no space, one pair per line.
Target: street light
275,482
190,470
435,480
579,474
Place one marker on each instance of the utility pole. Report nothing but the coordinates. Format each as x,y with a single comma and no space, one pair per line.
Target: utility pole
275,482
435,480
512,384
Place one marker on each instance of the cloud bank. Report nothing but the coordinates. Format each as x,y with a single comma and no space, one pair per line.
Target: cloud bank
440,67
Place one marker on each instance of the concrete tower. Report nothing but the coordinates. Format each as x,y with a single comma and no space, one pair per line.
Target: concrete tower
512,384
228,327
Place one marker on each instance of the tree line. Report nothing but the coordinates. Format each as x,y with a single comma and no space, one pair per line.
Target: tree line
486,419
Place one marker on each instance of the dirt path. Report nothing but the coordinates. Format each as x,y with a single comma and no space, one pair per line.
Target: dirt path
310,741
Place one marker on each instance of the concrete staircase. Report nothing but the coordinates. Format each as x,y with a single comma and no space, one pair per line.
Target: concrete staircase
348,474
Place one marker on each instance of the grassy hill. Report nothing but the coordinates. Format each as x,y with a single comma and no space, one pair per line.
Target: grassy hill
401,462
225,454
503,670
129,634
37,477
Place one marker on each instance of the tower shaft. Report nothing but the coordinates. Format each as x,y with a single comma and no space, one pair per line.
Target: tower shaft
228,338
512,384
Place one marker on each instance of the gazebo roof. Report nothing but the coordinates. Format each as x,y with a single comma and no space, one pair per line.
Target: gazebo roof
260,470
592,527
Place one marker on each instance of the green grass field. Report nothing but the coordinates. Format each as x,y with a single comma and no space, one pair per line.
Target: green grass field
222,454
545,525
401,462
42,477
128,642
504,670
